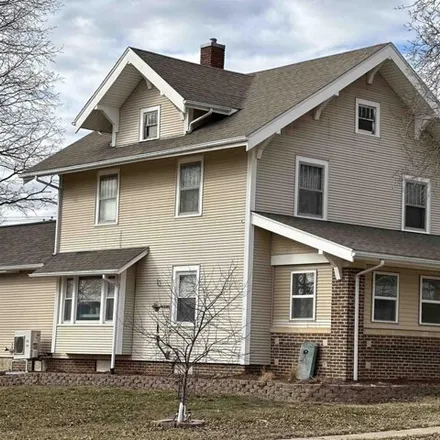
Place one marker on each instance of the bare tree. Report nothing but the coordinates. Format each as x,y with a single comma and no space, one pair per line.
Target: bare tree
198,321
29,129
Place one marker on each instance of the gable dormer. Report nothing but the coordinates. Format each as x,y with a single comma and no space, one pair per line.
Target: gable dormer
147,96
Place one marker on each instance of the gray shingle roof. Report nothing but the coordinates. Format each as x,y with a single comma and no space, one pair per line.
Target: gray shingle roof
26,244
367,239
261,96
110,260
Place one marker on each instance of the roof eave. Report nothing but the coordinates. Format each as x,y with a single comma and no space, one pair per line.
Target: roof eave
391,259
19,267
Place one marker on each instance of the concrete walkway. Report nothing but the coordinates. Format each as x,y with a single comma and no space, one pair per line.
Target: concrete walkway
378,435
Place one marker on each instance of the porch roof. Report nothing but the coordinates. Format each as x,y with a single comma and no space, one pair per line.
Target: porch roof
102,262
353,242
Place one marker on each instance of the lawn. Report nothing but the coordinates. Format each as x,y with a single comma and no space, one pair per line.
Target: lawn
54,413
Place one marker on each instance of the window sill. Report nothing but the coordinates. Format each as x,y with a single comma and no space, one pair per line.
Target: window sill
422,324
367,133
417,231
302,320
100,225
84,324
377,321
149,139
312,217
198,214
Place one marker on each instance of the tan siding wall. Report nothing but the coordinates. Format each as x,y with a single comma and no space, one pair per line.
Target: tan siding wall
364,171
261,316
409,281
283,246
171,123
84,339
129,311
26,304
146,218
282,295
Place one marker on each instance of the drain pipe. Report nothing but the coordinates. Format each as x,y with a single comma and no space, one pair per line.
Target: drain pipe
199,119
115,322
356,317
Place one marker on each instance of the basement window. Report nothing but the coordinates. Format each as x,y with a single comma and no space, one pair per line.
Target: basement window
303,291
385,297
430,300
149,123
367,117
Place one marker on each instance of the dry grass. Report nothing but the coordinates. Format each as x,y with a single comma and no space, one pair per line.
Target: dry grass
52,413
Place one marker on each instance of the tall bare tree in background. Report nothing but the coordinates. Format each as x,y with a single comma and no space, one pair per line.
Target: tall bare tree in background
196,321
29,129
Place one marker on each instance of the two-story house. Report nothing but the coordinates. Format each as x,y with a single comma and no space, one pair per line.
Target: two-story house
296,174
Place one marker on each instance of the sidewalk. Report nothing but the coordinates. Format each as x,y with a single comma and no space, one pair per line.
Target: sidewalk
378,435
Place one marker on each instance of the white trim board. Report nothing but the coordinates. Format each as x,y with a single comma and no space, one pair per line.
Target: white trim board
294,259
303,237
388,52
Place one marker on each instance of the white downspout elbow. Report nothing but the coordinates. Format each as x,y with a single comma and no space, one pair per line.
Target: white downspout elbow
199,119
356,318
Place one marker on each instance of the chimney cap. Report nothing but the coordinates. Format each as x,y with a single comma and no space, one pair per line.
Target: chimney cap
213,42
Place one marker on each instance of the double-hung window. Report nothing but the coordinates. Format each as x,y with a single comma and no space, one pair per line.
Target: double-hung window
149,123
88,299
367,117
107,198
303,295
311,188
430,300
185,291
416,201
189,187
385,297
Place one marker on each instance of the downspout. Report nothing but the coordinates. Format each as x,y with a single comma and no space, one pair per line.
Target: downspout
200,118
115,322
356,317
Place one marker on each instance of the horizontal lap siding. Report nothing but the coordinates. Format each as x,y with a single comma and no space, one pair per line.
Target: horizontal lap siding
146,218
261,316
282,295
284,246
171,123
91,339
409,303
26,304
364,171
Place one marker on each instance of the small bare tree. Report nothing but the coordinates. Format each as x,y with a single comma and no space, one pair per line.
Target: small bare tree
29,130
198,321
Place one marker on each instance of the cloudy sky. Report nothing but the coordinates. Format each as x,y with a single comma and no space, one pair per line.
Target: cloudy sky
258,34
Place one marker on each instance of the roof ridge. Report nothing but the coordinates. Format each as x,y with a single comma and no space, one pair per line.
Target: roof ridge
41,222
191,62
379,45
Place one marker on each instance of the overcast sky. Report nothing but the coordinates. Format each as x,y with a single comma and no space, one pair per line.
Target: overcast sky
258,34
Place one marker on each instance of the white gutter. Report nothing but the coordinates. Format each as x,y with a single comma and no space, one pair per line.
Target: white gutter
356,317
239,141
199,119
216,108
21,267
115,322
397,259
75,273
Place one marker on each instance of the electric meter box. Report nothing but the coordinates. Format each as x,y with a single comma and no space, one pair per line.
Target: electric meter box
307,361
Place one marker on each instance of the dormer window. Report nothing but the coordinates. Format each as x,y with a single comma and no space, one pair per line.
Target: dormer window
367,117
149,123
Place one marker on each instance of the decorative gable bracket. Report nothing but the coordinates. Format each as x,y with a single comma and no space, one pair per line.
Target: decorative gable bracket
318,110
372,73
420,124
112,114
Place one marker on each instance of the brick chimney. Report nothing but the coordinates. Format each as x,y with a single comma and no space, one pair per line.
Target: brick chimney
212,54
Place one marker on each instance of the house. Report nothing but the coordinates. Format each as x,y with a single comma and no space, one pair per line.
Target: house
296,174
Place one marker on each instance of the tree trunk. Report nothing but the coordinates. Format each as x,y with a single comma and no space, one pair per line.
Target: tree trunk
181,417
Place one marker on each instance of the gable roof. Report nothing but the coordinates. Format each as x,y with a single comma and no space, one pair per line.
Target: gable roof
267,100
26,246
363,242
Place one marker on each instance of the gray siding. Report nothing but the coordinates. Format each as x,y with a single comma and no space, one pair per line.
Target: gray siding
365,172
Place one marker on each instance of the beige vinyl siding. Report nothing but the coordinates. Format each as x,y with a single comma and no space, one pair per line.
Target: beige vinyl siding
261,315
408,307
26,304
127,329
84,339
171,123
284,246
365,172
282,296
147,218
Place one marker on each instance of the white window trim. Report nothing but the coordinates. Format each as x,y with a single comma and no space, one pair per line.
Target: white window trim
428,203
73,320
359,102
291,296
179,270
141,122
313,162
374,297
421,300
202,175
97,199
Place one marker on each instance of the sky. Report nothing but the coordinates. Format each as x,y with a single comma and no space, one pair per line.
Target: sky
258,34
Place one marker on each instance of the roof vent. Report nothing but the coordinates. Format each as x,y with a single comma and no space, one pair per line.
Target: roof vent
212,54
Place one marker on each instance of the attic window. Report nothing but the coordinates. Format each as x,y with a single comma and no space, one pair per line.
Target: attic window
149,123
367,117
